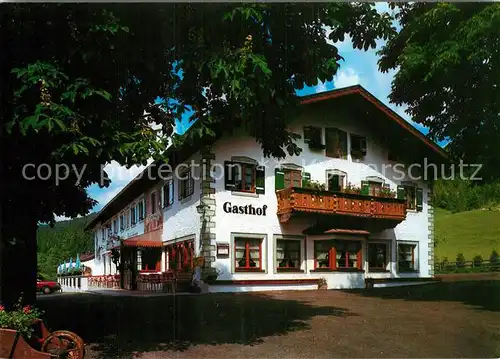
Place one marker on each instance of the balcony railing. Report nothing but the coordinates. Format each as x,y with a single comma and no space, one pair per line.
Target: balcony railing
307,200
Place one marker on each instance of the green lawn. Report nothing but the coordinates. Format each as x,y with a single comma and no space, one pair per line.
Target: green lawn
472,233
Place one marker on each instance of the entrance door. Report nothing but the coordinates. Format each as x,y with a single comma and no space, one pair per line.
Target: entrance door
129,258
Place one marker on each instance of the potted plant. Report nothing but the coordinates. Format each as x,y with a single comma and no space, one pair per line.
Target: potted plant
387,193
352,189
20,318
315,185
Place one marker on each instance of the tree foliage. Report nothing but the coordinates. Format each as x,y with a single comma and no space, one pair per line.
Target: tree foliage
81,83
448,55
61,242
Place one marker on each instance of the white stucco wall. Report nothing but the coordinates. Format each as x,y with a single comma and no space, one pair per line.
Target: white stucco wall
102,263
181,220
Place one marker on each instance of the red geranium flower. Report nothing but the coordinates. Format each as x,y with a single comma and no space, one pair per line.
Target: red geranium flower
27,309
2,308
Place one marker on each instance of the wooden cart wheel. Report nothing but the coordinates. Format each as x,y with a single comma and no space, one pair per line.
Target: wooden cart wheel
65,344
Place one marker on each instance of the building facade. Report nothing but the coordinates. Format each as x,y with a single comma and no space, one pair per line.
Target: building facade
355,204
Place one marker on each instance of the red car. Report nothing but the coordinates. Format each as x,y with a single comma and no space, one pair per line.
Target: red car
47,286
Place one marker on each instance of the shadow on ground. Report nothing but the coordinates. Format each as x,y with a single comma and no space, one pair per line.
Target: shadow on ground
124,326
482,294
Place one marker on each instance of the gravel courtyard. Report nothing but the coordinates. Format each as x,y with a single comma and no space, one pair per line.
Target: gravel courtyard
459,317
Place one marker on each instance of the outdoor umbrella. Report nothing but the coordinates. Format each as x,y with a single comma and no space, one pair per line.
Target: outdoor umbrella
77,262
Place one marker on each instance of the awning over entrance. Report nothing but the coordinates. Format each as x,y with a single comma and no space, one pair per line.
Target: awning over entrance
319,229
141,243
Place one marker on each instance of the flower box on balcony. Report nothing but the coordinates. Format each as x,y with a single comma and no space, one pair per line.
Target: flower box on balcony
307,200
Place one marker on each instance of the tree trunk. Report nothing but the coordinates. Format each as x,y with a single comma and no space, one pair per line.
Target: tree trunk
18,259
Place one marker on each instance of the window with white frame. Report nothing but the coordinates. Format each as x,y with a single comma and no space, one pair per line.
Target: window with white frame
167,194
407,256
133,215
336,180
243,174
288,254
378,256
247,254
122,222
186,184
141,209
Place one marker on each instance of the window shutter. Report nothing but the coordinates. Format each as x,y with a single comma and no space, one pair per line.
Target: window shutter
229,177
162,196
180,186
191,186
279,179
260,180
420,197
401,192
365,188
306,178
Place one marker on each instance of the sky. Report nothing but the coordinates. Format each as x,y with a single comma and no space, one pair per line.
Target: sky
359,67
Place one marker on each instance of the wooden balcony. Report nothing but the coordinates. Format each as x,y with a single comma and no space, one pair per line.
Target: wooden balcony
298,200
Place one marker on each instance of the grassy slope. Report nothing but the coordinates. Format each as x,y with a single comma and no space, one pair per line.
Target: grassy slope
473,232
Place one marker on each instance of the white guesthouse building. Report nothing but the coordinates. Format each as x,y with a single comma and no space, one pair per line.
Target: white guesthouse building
345,210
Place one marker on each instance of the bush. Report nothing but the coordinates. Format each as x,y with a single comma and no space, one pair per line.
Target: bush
460,260
477,260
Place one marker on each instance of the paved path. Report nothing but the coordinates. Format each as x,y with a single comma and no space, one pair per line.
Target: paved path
449,319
